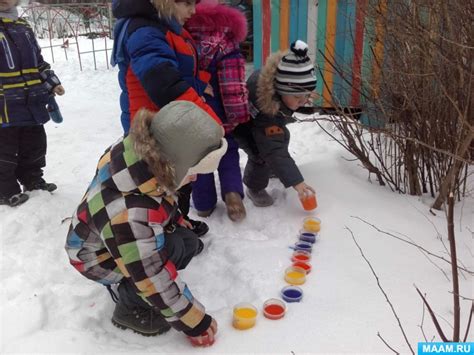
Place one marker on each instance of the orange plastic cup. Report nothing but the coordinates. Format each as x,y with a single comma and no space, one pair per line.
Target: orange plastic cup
309,202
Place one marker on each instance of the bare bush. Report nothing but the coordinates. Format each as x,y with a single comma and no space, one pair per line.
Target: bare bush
418,135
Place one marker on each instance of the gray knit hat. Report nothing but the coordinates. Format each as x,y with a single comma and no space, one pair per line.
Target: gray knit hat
295,72
189,138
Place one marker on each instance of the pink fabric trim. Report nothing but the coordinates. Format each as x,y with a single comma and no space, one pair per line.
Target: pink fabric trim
219,18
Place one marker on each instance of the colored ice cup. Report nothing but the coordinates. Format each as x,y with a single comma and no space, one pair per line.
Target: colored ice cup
205,340
312,224
303,265
309,237
274,309
244,316
295,275
301,255
305,246
309,202
291,294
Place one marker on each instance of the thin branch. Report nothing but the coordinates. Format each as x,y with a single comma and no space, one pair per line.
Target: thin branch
349,160
433,316
405,138
413,244
463,297
469,322
382,290
422,323
428,258
386,344
443,319
454,269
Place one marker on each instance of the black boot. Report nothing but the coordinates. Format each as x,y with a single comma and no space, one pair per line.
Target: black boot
40,185
132,312
147,322
14,200
198,227
200,247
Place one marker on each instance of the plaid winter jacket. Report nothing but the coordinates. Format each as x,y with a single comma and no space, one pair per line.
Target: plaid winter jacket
26,80
117,231
217,31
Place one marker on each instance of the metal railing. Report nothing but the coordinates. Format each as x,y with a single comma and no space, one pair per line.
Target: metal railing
69,22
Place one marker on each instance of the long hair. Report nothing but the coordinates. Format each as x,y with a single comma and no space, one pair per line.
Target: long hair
146,148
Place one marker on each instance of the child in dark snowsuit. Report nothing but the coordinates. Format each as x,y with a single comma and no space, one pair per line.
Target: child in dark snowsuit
26,82
284,84
218,30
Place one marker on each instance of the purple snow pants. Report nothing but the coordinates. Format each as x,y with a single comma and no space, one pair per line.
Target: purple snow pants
204,188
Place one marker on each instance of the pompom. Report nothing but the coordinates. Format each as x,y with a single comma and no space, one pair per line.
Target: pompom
299,48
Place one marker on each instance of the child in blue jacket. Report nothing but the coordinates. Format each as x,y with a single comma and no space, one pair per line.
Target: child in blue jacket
26,82
157,62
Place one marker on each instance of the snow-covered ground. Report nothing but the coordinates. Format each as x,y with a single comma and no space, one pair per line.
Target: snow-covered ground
47,307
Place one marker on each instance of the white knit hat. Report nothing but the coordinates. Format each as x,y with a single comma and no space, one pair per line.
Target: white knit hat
295,72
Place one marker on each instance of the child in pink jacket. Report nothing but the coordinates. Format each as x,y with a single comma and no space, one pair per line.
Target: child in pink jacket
218,31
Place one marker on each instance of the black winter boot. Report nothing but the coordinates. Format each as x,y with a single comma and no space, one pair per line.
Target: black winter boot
40,185
147,322
14,200
198,227
200,247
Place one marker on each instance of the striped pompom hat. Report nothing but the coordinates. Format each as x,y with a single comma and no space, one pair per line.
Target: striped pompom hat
295,72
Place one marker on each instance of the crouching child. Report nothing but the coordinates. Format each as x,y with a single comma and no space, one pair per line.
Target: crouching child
283,85
128,231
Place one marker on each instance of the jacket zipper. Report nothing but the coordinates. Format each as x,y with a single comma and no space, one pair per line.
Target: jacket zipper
8,53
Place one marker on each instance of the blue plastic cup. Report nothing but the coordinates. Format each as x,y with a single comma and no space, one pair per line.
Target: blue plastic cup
306,246
291,294
308,237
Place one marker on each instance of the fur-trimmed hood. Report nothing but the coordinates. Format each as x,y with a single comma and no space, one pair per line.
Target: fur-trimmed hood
131,8
121,169
146,149
213,18
262,87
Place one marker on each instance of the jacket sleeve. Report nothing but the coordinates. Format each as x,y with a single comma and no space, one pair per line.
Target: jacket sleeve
155,64
233,90
140,241
49,78
273,148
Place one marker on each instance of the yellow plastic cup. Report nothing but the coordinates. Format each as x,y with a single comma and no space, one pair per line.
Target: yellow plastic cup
295,275
244,316
312,224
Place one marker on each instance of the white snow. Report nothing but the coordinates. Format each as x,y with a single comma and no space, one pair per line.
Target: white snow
48,307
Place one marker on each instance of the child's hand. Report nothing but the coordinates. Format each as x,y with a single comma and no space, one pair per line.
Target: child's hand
209,90
187,224
59,90
207,338
304,190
